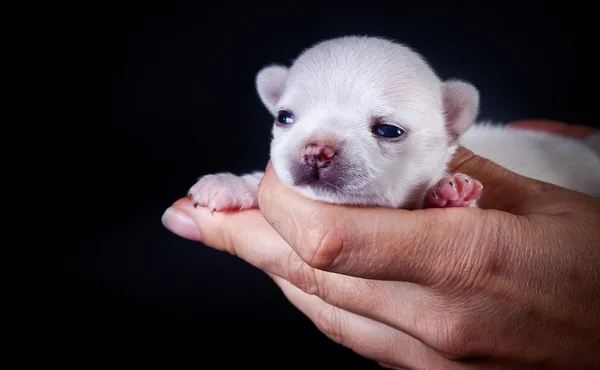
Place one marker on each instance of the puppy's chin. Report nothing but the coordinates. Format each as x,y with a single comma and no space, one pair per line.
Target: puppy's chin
326,194
331,187
356,197
363,196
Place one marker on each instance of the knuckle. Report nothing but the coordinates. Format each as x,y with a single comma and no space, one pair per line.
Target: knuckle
322,244
304,276
263,192
226,240
328,321
463,159
455,337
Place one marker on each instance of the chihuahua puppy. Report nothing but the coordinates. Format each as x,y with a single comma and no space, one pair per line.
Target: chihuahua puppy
366,121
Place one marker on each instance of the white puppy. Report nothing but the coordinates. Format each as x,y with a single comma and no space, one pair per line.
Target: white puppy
366,121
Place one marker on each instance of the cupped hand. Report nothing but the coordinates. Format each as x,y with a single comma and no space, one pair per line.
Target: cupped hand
515,283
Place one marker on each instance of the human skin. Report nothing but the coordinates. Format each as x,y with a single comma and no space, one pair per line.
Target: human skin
514,283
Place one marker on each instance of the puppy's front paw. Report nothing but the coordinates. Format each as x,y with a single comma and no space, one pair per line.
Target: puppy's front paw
226,191
458,190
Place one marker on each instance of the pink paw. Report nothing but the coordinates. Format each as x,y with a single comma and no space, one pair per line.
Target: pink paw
458,190
226,191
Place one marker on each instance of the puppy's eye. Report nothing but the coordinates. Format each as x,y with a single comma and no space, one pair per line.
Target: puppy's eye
285,118
388,131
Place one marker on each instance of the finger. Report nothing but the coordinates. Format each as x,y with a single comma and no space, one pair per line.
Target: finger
364,336
425,247
555,127
247,235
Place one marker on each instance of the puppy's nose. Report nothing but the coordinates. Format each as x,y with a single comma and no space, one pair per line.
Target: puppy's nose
318,155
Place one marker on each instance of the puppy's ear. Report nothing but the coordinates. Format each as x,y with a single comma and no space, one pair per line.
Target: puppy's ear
270,82
461,106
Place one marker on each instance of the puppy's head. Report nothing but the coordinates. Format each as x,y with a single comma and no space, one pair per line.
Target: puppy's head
363,121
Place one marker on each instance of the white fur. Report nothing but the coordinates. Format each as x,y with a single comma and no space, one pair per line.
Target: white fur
559,160
336,87
227,191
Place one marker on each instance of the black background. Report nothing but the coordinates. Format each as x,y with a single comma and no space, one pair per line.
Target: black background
127,103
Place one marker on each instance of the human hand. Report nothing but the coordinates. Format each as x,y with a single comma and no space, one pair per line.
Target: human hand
515,283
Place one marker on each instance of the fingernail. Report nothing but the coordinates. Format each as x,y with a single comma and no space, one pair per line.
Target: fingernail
180,224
